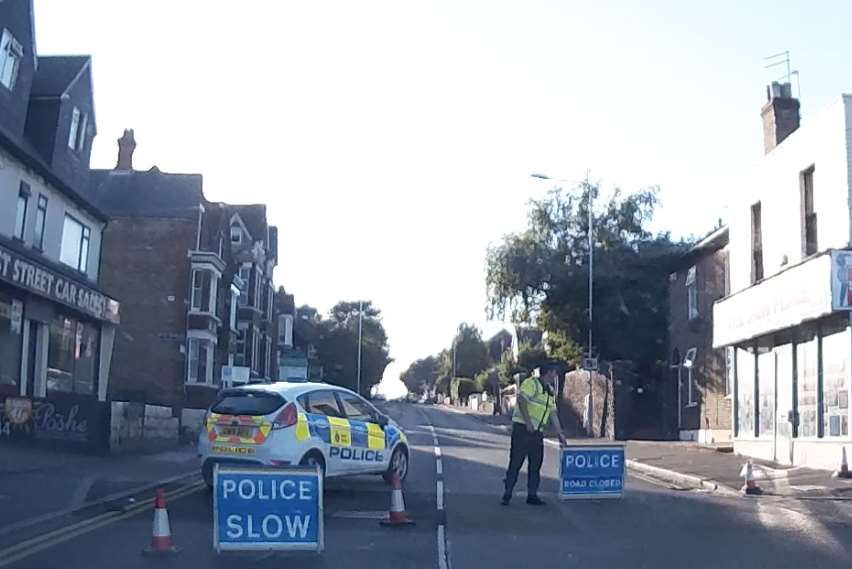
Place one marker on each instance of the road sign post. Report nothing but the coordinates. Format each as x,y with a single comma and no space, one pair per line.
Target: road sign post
264,509
591,472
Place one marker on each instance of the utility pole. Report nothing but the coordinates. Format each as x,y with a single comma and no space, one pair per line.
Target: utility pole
360,328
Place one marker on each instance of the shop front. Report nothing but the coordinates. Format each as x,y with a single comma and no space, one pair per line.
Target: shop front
56,337
793,362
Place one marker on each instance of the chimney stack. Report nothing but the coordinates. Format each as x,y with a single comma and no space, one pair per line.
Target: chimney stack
126,146
780,115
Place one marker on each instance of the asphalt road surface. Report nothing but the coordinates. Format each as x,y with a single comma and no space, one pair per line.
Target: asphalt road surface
453,494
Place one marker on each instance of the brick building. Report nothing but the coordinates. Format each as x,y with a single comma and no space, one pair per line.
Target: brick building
56,323
196,277
699,386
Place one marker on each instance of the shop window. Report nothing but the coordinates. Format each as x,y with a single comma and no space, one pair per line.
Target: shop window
745,393
835,384
11,343
766,393
807,370
72,356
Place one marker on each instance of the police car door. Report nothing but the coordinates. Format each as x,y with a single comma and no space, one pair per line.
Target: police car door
329,429
368,438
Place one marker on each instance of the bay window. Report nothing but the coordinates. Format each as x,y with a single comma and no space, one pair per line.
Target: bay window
200,361
204,286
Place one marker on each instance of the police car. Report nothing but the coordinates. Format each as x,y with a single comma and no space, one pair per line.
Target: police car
281,423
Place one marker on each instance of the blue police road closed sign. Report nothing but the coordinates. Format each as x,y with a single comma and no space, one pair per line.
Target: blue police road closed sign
592,472
257,508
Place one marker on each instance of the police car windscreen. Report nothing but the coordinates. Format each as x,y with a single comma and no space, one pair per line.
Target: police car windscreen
248,403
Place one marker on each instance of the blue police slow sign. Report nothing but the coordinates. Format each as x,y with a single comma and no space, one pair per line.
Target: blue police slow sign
257,508
592,472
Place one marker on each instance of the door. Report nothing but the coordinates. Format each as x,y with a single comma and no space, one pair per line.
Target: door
32,342
330,429
784,404
368,438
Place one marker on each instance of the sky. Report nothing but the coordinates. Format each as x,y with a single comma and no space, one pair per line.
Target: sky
393,141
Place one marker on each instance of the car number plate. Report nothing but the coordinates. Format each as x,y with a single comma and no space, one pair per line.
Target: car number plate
232,450
236,431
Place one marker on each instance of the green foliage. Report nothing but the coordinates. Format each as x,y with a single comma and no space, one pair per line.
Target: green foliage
462,387
530,357
541,275
471,353
422,374
334,342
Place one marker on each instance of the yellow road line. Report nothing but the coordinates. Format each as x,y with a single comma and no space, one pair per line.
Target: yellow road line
32,546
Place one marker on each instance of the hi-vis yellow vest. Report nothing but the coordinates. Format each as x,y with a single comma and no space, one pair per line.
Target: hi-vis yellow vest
540,403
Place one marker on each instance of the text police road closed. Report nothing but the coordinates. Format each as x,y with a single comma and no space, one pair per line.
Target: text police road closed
259,508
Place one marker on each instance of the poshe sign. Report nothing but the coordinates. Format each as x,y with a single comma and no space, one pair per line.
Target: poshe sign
592,472
256,508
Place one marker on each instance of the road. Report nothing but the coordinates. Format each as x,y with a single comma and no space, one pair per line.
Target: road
460,523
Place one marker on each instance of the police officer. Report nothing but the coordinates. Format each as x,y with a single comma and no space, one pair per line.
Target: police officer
536,403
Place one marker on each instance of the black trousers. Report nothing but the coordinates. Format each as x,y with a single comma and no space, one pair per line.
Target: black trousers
525,446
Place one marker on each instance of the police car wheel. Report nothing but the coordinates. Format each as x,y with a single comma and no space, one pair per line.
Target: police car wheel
398,465
314,459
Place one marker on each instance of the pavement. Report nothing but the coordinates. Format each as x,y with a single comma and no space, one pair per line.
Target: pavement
38,482
453,494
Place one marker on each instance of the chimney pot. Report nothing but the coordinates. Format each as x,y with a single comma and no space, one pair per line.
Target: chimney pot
126,146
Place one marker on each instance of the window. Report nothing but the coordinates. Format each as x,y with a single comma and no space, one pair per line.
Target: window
11,311
244,402
41,217
285,330
322,402
75,244
835,383
236,234
756,244
11,54
806,382
730,370
691,294
203,297
766,393
354,407
257,288
240,351
245,275
72,356
691,385
200,361
254,351
75,128
270,297
267,361
21,212
745,393
809,217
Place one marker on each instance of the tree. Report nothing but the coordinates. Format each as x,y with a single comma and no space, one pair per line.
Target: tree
335,343
471,353
422,374
541,275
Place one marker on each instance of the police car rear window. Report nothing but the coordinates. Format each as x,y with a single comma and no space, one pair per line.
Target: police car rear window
248,403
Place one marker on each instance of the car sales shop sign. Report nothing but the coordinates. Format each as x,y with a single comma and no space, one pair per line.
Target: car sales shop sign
256,509
592,472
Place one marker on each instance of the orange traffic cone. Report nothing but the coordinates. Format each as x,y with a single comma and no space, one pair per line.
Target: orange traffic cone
161,538
843,472
397,516
750,487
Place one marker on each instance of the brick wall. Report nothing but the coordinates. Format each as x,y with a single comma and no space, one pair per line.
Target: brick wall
713,408
145,267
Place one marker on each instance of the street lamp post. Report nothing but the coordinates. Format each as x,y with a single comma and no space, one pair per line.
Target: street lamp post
590,232
360,328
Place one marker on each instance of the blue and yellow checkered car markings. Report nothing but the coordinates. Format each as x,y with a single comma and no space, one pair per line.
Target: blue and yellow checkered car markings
341,432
